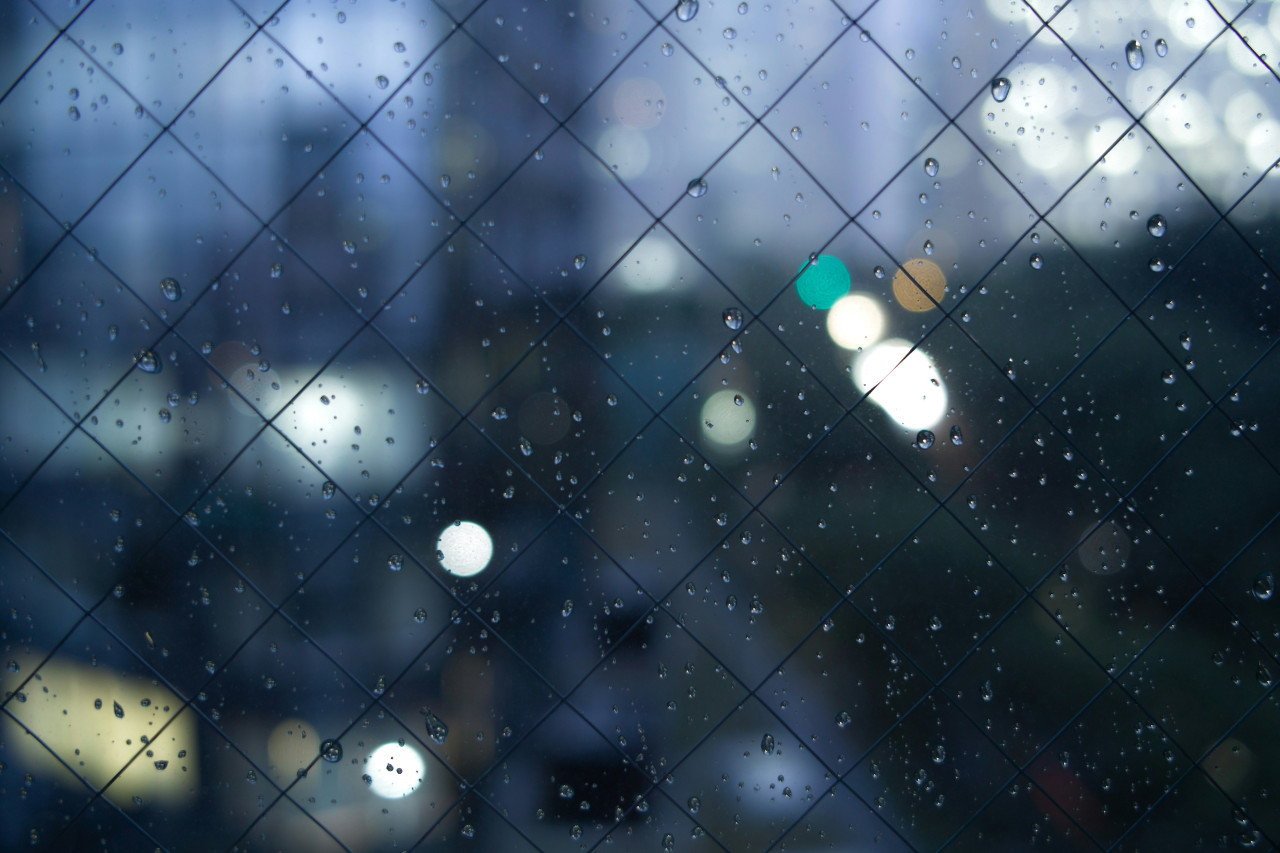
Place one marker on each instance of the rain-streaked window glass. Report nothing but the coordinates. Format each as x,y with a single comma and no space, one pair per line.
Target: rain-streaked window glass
520,425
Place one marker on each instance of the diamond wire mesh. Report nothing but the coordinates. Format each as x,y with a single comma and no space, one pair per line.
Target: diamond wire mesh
1076,737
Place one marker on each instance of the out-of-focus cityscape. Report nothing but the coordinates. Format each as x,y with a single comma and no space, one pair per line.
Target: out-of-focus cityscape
639,425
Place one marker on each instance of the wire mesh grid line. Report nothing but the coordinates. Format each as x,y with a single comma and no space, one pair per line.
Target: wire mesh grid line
657,416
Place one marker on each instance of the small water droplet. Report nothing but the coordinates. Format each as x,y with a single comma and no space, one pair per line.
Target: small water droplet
1157,226
1133,55
381,82
395,562
117,48
767,744
117,710
328,490
1155,265
170,289
73,113
733,318
1162,48
686,10
697,188
957,438
1264,586
729,33
1000,89
579,261
924,439
796,133
1036,261
931,167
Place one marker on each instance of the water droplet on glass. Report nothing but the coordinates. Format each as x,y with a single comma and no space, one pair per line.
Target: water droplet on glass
1264,675
1000,89
686,10
1157,226
1155,265
729,33
381,82
1168,377
117,48
579,261
328,490
924,439
733,318
170,289
395,562
931,167
436,727
843,720
1133,55
117,710
420,615
1264,586
147,361
73,113
1162,48
796,133
986,692
1036,261
767,744
331,751
697,188
957,438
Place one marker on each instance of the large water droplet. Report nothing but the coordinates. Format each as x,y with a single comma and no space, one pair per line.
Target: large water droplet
1264,586
686,9
1036,260
1000,89
1133,55
931,167
924,439
436,727
1162,48
579,262
331,751
147,361
767,744
170,289
733,318
1157,226
957,437
697,188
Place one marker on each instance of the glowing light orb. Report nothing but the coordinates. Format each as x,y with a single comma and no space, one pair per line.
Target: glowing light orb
855,321
919,284
464,548
906,383
728,418
823,281
395,771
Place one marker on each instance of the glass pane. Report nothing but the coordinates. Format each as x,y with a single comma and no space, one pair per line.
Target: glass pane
639,425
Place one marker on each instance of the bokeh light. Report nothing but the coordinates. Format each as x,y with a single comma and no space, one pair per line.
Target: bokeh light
855,321
464,548
395,771
919,284
823,281
728,418
904,382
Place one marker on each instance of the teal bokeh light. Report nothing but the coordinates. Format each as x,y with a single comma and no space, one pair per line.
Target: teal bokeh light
822,282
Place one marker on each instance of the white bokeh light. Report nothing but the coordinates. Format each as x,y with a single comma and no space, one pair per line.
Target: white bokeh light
1120,159
464,548
395,771
906,383
728,418
855,321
